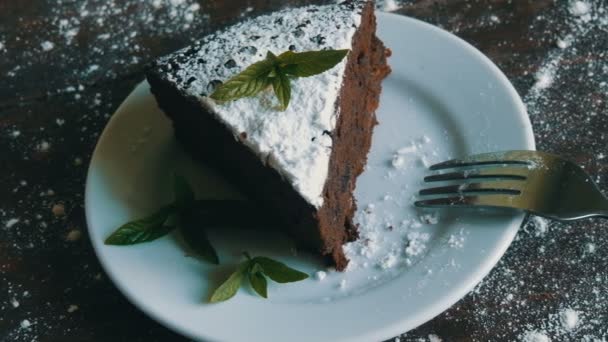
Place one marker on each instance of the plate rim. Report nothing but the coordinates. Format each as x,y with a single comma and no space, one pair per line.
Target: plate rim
387,331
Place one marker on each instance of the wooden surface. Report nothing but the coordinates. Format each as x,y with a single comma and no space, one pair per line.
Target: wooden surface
49,275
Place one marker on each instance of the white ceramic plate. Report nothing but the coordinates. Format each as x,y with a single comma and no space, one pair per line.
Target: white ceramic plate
440,87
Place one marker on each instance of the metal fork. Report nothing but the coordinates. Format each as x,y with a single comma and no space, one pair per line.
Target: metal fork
537,182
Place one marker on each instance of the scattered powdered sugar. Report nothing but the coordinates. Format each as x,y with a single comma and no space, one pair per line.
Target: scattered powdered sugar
432,218
556,326
541,225
294,141
415,151
585,19
43,146
569,318
545,76
564,43
25,324
391,239
388,5
434,338
398,161
389,261
47,45
579,8
133,30
535,336
416,243
11,222
320,275
457,240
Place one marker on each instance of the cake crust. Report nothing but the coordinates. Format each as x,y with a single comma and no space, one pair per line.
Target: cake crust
359,98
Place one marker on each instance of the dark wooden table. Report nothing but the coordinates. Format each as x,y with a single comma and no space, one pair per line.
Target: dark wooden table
64,68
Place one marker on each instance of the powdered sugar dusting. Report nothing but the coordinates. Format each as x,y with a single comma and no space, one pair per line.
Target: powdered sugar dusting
434,338
569,319
535,336
579,8
388,5
129,25
584,17
541,225
545,76
291,141
25,324
47,45
393,236
11,222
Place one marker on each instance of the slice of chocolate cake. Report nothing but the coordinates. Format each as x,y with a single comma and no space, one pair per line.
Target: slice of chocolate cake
300,164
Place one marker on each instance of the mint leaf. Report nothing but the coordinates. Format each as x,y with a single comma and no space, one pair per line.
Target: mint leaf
275,71
278,271
196,238
143,230
271,56
282,88
309,63
230,287
257,270
248,83
257,280
184,195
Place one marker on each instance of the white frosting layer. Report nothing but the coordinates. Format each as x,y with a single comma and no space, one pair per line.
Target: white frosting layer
296,142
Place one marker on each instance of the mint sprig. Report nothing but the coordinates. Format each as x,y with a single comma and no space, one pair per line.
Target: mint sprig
248,83
277,71
146,229
181,213
256,270
191,217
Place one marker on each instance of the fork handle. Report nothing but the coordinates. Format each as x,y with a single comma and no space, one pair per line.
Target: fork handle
599,209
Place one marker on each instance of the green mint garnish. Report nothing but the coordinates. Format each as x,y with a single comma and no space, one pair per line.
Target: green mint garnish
230,287
256,269
143,230
191,216
278,271
277,71
178,214
258,281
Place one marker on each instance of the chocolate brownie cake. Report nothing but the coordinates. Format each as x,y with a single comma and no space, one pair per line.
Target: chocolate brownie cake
300,164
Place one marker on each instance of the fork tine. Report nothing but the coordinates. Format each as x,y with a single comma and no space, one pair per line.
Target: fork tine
509,157
486,200
503,187
515,173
